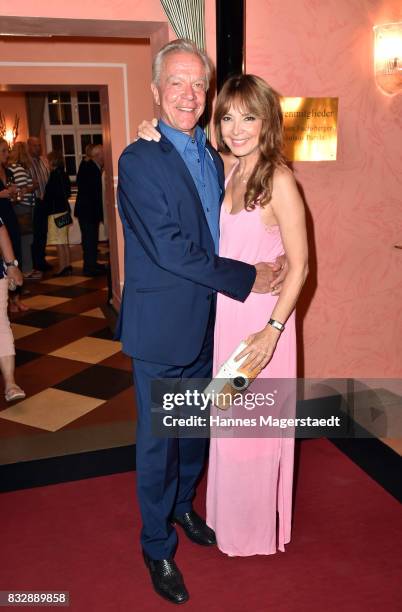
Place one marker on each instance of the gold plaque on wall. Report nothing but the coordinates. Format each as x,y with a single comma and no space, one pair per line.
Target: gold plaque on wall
310,128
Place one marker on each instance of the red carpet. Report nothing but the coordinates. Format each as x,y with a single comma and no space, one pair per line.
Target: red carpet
82,537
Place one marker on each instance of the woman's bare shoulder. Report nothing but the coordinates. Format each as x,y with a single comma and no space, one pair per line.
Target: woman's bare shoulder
283,180
283,174
286,196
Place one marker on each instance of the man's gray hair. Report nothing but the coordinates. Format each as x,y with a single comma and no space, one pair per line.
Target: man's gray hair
183,45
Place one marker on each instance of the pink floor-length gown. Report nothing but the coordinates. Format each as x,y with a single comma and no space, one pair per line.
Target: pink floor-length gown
250,479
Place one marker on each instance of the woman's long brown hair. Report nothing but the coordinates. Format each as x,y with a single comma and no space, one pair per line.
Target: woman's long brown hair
253,95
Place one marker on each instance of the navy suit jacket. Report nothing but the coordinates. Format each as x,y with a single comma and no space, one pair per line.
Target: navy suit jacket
171,269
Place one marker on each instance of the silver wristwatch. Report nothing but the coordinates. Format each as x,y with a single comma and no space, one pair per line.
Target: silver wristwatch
277,324
11,264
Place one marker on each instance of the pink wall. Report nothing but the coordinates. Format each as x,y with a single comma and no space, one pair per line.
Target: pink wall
11,104
132,10
352,305
135,10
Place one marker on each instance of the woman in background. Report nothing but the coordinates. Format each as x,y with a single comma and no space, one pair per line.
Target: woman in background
19,163
8,194
57,192
10,277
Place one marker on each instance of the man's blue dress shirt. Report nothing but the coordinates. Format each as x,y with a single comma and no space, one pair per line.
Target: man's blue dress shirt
203,172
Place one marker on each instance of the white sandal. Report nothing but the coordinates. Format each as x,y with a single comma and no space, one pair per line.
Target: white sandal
14,393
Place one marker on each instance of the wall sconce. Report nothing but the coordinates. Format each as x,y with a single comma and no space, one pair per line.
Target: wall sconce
388,57
9,134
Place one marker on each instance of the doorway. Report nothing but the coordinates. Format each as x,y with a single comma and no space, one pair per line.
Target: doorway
112,56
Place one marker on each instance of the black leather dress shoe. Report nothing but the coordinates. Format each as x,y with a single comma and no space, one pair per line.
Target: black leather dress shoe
167,579
196,528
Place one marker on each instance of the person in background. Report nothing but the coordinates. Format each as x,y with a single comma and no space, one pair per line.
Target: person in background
9,191
10,277
40,176
88,152
55,201
19,163
89,209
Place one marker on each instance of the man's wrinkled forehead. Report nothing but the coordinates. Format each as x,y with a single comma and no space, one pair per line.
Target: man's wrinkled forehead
182,63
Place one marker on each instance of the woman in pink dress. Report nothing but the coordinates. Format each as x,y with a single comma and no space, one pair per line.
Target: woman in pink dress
262,216
250,480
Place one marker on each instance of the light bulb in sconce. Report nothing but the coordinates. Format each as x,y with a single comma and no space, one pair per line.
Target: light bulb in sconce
388,57
9,136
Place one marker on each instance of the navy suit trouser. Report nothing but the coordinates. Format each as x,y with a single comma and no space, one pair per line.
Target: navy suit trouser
89,241
167,468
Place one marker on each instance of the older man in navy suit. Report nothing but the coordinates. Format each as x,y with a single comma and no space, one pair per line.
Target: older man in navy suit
170,194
